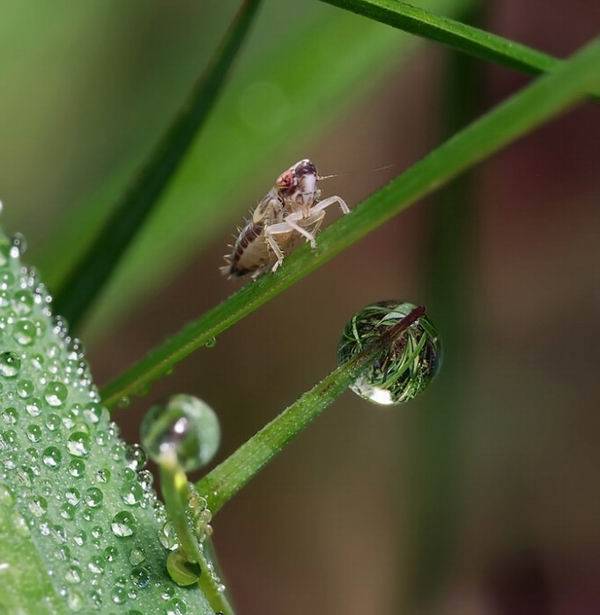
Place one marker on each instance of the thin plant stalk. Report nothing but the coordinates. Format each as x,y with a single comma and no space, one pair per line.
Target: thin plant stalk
175,487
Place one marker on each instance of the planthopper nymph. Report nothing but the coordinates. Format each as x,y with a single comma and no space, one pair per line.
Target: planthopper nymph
290,211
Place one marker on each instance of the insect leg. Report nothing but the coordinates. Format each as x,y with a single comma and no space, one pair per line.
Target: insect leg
289,221
274,246
321,205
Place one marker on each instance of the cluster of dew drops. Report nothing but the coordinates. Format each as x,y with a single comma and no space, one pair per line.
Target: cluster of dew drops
51,424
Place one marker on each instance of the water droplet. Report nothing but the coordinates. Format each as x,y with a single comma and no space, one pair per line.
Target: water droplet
23,302
406,368
103,475
77,468
211,342
10,364
67,512
132,493
136,556
38,505
55,394
72,496
25,389
51,457
168,537
24,332
10,416
110,554
186,427
34,432
74,600
94,497
18,245
73,575
96,565
135,457
119,595
123,524
140,577
78,444
176,607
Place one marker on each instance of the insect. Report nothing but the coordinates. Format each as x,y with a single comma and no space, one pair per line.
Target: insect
289,212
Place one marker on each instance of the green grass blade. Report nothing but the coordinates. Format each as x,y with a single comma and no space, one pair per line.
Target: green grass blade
455,34
547,97
86,281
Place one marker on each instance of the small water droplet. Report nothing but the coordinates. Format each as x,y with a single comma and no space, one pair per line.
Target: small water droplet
406,368
10,416
211,342
38,505
18,245
34,432
94,497
24,332
132,493
186,427
123,524
51,457
78,444
119,595
96,565
140,577
77,468
56,394
168,537
10,364
72,496
110,554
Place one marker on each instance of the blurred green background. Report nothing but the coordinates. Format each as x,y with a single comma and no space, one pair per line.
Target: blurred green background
480,497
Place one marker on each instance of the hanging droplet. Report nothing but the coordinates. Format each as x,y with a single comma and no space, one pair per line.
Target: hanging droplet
408,365
186,427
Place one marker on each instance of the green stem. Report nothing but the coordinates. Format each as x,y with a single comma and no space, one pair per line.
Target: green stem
175,488
545,98
88,277
222,483
455,34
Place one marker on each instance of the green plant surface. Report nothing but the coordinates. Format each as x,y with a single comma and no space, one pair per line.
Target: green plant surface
455,34
71,537
265,119
548,96
222,483
89,275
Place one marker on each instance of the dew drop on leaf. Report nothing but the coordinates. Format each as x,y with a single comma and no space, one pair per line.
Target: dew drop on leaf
78,444
186,427
408,365
10,364
123,524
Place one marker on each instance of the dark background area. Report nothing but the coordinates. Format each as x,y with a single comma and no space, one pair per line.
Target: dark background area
481,496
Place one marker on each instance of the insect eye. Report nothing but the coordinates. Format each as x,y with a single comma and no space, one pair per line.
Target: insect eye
285,180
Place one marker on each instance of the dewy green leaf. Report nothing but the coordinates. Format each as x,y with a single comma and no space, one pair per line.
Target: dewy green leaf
71,536
90,274
545,98
266,113
455,34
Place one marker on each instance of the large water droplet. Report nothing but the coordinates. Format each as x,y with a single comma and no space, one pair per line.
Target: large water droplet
51,457
186,427
409,364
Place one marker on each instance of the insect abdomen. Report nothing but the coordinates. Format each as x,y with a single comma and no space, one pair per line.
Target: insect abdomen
249,252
